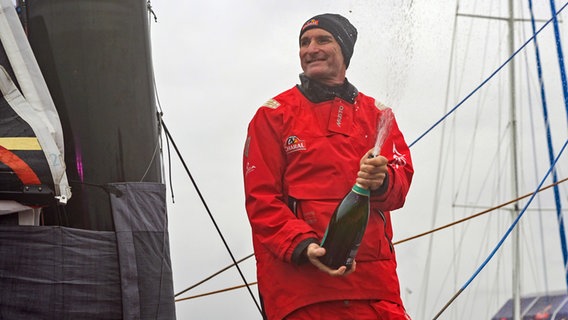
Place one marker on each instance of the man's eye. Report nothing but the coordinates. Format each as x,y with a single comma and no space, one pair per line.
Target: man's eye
304,43
324,40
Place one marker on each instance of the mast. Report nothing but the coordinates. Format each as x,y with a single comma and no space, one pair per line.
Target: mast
103,89
514,171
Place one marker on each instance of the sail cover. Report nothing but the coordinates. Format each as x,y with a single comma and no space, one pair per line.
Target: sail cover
32,167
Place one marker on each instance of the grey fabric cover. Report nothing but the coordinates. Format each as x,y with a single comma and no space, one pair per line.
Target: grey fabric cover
139,213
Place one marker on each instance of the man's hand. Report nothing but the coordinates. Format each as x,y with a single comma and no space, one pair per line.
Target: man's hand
372,171
314,251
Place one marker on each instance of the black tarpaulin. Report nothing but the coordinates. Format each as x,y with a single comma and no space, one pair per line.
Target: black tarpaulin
58,273
66,273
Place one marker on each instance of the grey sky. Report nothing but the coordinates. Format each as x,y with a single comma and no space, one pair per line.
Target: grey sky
216,62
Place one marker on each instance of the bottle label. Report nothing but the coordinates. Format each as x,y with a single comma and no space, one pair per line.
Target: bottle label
360,190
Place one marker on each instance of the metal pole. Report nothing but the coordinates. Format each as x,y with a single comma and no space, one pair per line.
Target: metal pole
516,265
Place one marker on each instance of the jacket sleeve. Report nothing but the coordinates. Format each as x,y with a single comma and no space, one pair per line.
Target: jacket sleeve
400,172
274,225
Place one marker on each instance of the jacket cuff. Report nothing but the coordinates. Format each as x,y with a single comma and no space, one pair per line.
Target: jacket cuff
299,255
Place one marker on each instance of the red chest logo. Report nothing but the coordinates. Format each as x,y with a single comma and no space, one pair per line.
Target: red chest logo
293,144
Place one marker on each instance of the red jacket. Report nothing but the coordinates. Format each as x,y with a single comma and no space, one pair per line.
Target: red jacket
311,152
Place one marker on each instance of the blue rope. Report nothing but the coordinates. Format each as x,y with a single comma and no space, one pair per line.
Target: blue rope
487,79
560,55
559,218
543,99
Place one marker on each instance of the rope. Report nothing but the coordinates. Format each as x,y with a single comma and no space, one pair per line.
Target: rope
507,233
535,157
218,291
214,275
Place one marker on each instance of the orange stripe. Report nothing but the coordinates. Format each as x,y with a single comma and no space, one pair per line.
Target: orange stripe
20,168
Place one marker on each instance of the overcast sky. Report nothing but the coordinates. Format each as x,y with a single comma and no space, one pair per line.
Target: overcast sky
216,62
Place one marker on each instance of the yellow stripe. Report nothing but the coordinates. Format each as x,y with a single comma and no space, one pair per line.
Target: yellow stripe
26,143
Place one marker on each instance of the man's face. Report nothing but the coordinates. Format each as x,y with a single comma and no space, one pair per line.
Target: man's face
321,57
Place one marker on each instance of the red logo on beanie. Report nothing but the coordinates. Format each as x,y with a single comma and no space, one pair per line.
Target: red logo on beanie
312,22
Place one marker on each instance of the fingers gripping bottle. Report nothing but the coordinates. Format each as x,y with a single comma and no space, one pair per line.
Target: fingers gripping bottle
346,228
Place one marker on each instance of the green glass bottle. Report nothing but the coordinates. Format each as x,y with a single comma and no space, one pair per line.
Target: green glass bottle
346,228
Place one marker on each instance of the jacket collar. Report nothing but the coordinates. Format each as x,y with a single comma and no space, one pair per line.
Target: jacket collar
319,92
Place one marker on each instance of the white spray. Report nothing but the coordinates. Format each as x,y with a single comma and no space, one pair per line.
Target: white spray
383,129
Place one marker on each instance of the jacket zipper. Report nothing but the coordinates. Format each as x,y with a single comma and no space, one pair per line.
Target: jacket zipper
391,246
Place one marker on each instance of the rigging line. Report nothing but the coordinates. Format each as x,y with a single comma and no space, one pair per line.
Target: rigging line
397,242
154,153
170,178
209,212
548,135
160,114
218,291
559,217
479,213
507,233
213,275
160,111
488,78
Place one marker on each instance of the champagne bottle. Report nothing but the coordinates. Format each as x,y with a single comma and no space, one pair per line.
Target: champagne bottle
346,228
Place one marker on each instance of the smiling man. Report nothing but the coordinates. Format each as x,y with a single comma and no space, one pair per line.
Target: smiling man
305,149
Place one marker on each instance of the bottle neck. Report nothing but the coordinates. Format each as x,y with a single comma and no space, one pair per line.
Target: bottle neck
357,188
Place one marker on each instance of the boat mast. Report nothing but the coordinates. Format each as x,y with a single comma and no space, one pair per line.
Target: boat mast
514,171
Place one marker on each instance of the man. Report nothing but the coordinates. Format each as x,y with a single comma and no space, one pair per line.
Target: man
304,151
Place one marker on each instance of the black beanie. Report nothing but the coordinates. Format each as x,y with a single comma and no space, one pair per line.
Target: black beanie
342,30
